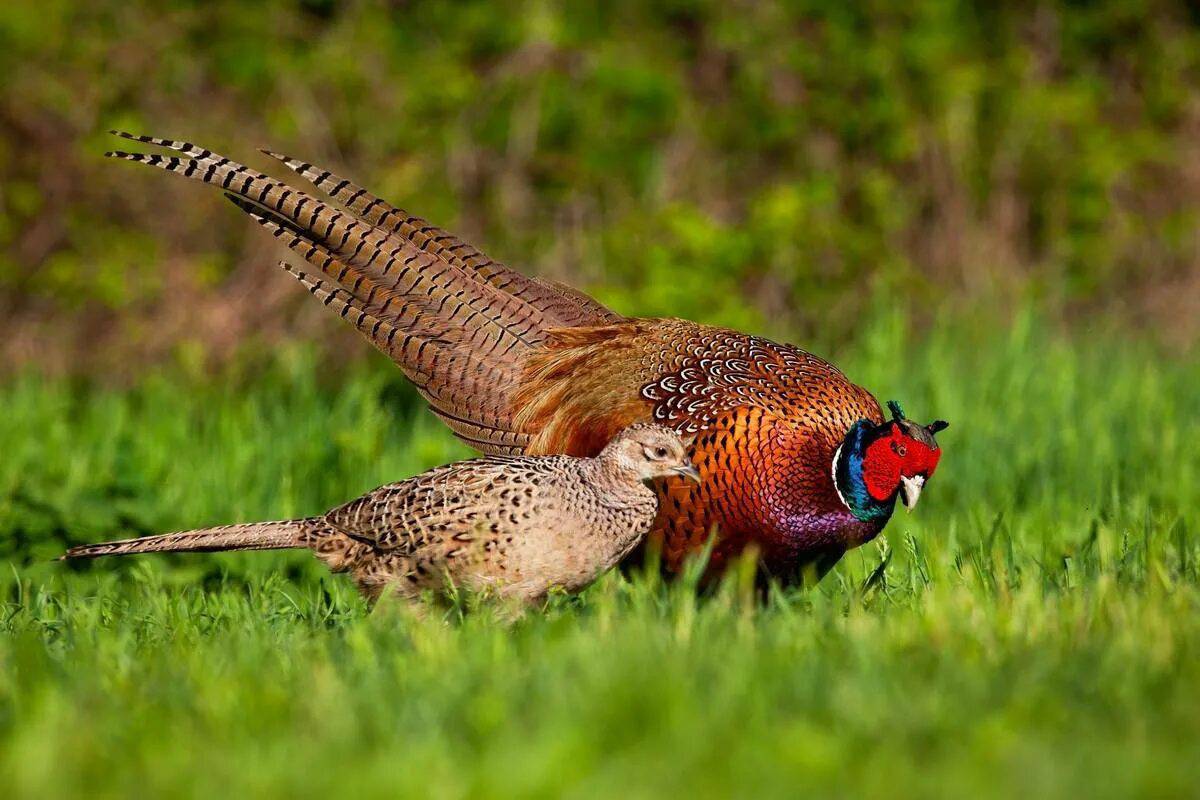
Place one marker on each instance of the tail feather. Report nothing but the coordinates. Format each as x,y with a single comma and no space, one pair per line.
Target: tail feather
397,344
359,314
592,312
438,357
250,536
459,324
391,280
401,327
388,260
563,309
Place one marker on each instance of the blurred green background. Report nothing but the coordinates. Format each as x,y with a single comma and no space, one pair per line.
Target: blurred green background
768,165
986,210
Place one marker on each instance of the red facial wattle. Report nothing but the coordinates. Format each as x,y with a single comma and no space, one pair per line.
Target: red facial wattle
893,456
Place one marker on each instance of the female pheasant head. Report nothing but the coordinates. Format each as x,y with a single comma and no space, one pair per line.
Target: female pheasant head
650,452
878,463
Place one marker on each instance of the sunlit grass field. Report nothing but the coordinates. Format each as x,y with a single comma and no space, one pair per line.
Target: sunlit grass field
1032,629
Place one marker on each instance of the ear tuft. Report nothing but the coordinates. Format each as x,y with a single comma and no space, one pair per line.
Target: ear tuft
897,411
937,425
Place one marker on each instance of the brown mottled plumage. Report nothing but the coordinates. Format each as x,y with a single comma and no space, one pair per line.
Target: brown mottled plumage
514,364
518,526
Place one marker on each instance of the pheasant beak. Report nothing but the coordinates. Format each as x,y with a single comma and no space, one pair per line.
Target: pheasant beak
687,471
910,490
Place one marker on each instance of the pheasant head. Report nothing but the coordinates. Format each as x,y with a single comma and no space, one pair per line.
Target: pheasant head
878,463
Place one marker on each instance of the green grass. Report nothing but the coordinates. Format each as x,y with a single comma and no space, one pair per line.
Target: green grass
1036,629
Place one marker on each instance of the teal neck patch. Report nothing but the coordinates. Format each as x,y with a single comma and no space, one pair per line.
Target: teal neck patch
848,475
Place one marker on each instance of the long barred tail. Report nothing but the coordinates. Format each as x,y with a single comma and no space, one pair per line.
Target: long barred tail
457,323
249,536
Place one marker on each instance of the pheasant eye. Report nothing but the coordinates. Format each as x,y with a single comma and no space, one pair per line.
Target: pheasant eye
661,452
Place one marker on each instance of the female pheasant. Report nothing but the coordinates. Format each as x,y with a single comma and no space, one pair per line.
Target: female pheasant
514,526
797,461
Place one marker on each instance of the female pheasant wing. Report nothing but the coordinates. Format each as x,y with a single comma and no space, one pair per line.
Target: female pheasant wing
448,506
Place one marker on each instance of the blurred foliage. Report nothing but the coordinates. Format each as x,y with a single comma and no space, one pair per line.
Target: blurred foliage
753,164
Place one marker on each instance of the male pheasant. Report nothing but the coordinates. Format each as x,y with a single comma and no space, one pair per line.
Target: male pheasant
798,463
514,526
